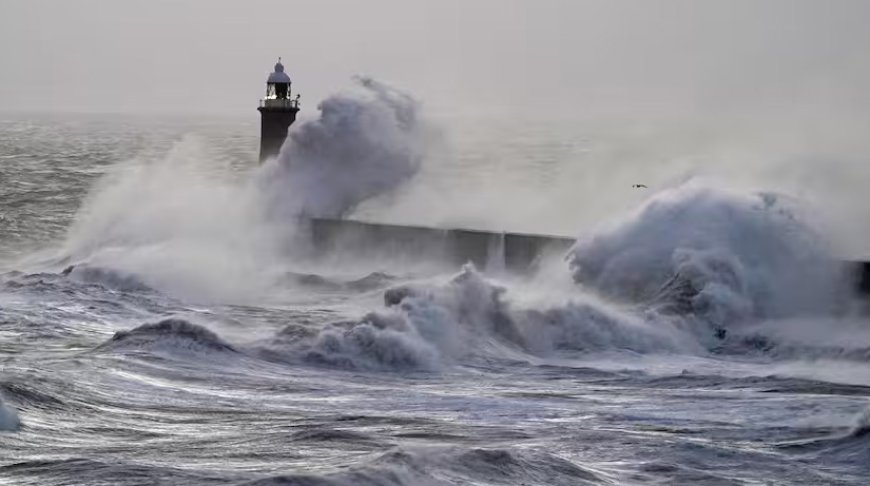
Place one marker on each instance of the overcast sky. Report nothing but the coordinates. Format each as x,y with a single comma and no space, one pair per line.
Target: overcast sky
536,57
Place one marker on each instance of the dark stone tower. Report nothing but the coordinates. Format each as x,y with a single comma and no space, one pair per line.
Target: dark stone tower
277,112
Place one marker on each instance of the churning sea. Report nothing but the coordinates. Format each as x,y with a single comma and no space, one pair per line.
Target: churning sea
162,321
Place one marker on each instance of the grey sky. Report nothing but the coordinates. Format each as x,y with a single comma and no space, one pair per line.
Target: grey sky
559,57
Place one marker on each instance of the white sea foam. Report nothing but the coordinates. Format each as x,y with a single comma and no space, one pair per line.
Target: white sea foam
428,325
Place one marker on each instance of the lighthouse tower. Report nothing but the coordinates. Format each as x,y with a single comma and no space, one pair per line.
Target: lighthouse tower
277,112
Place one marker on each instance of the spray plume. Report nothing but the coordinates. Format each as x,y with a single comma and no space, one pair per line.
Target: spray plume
365,143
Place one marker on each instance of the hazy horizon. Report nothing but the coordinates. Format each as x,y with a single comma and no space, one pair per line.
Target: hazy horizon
645,60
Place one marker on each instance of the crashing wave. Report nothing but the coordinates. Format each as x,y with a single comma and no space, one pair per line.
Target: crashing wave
688,273
365,143
428,325
422,328
471,315
380,340
722,257
692,272
377,341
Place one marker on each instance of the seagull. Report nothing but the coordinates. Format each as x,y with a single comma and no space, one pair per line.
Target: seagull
639,186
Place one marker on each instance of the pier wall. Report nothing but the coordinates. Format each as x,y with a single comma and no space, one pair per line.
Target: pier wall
516,252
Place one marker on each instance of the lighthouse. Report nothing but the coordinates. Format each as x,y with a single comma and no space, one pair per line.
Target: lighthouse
277,112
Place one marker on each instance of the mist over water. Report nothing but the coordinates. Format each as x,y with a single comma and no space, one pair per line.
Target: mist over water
700,330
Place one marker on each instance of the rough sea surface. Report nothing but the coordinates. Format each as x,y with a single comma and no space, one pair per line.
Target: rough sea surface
162,321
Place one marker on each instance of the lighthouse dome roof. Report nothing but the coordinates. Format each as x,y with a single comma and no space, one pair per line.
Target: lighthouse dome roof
278,75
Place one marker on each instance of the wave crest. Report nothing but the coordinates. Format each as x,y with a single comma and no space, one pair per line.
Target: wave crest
377,341
168,335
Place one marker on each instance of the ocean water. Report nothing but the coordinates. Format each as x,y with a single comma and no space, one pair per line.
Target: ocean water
162,320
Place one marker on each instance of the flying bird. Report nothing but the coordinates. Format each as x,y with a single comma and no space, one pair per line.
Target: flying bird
639,186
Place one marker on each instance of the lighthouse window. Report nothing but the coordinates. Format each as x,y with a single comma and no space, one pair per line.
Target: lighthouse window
281,90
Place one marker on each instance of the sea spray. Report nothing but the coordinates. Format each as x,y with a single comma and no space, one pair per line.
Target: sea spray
366,142
167,222
198,237
722,256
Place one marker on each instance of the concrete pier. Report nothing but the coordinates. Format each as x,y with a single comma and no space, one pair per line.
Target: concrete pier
516,252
